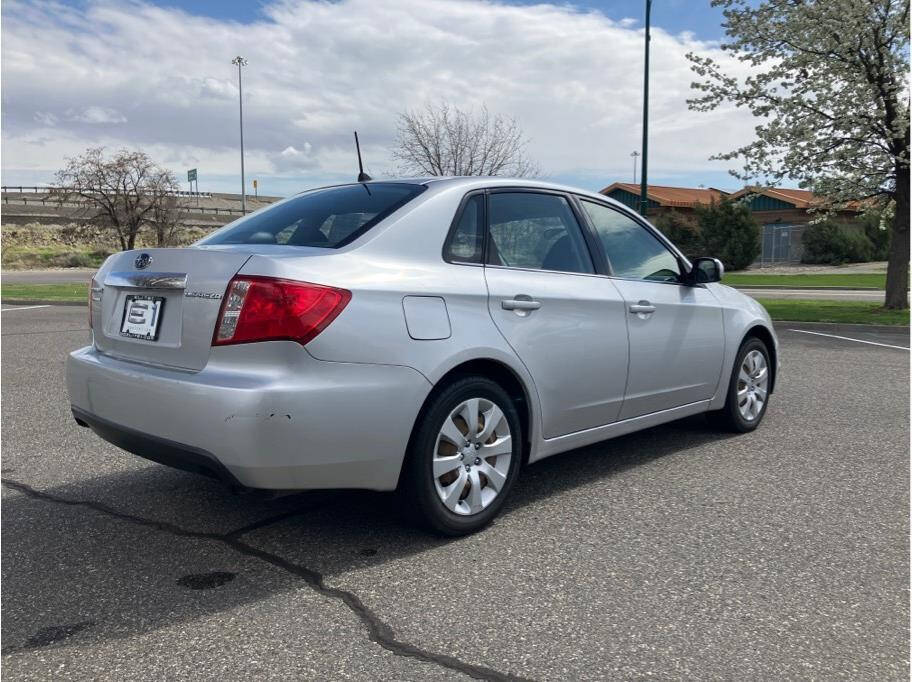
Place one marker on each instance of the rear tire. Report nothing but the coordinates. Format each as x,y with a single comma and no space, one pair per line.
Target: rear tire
456,488
748,389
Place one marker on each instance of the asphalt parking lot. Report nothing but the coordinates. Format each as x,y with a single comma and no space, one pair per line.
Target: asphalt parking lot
676,553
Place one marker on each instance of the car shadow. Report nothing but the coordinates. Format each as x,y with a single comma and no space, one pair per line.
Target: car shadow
152,548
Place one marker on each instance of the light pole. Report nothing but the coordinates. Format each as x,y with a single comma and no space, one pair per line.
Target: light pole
644,200
239,61
634,154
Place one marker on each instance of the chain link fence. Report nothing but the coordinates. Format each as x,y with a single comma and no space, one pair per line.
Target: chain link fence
781,244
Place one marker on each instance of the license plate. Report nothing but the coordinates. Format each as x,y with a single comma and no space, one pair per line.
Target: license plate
142,315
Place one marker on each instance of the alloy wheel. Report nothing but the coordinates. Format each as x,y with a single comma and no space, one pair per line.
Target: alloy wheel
472,456
753,385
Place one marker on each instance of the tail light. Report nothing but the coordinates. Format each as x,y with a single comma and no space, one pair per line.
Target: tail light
95,294
270,309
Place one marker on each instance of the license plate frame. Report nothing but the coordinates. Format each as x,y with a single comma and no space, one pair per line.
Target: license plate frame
142,322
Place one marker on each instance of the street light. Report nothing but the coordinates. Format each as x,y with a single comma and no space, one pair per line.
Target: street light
644,200
634,154
239,62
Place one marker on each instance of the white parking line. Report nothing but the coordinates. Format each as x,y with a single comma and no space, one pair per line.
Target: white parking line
25,307
846,338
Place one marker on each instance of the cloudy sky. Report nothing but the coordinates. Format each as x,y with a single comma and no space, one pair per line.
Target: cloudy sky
159,77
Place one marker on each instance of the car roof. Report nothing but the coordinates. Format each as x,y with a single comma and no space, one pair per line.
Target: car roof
470,182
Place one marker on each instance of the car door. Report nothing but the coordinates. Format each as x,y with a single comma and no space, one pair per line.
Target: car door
675,330
565,323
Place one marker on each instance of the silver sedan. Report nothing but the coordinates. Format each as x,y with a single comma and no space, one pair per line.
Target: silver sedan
431,336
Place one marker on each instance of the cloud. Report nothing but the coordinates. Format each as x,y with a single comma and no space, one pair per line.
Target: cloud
45,118
291,160
123,73
218,88
95,115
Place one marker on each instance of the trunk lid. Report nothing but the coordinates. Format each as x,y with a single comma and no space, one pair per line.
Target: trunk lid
160,306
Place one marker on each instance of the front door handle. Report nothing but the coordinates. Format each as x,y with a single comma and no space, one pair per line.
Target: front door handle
520,304
642,308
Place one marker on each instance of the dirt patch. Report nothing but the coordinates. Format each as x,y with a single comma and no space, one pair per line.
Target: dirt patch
83,235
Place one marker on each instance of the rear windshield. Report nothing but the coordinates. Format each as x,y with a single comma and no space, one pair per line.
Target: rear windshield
327,218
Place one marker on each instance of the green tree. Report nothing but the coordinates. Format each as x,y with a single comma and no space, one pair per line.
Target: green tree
729,232
827,80
682,230
876,228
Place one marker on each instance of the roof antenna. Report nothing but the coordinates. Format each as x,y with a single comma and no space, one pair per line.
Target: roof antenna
362,176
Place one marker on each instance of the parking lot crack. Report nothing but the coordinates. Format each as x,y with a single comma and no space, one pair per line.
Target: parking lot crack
163,526
271,520
378,631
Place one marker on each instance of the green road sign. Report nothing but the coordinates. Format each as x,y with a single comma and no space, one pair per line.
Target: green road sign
191,175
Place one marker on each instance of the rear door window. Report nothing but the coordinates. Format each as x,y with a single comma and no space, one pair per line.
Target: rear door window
535,231
327,218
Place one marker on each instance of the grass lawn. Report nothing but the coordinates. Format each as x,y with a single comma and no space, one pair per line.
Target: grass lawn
744,279
847,312
10,293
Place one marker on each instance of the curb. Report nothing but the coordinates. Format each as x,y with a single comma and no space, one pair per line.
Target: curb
35,301
841,326
774,287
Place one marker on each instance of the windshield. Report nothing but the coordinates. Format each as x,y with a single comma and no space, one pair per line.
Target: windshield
327,218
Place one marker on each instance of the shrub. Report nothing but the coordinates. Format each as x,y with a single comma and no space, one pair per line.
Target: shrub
683,231
78,234
78,259
832,243
878,234
729,232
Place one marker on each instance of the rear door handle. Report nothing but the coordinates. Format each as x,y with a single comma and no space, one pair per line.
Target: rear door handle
642,308
520,304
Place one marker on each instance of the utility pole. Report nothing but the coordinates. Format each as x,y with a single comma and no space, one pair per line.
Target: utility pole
644,200
239,62
634,154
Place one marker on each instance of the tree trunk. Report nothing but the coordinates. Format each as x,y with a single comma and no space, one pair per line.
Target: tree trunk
898,265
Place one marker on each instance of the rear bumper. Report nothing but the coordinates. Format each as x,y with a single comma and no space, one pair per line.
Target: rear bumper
159,450
258,415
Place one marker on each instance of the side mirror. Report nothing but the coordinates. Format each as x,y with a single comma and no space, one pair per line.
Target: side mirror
705,270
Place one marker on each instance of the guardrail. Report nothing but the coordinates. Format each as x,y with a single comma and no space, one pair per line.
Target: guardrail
201,195
23,189
82,204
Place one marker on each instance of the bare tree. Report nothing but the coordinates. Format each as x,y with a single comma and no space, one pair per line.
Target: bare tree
123,193
166,218
446,140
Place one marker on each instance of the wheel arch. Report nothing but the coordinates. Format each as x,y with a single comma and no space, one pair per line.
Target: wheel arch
497,371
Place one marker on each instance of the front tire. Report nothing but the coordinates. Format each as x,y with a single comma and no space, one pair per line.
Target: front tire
463,457
748,389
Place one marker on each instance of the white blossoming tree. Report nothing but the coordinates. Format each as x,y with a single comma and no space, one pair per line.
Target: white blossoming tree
828,81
